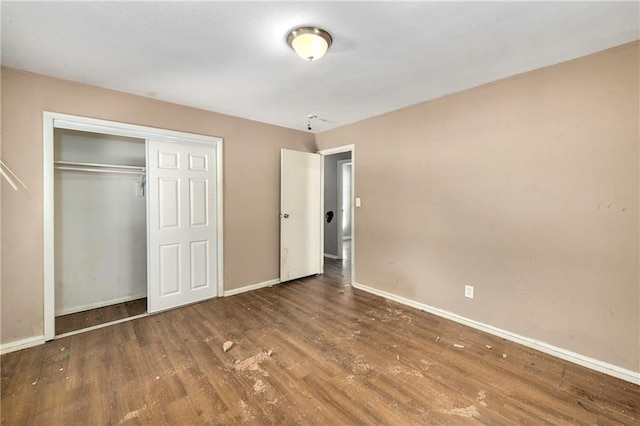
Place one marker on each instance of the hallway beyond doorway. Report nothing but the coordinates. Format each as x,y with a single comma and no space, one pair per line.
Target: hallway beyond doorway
340,269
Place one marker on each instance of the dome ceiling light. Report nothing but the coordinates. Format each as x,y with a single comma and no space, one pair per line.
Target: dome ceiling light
310,43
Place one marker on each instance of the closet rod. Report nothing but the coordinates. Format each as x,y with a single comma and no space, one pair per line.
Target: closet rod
101,165
87,169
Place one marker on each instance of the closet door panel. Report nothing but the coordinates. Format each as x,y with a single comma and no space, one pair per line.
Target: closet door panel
182,229
169,269
199,264
198,162
198,195
168,160
168,202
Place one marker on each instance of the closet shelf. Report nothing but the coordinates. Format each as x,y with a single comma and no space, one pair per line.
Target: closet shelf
99,168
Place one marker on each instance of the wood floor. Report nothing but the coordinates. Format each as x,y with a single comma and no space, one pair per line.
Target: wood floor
312,351
93,317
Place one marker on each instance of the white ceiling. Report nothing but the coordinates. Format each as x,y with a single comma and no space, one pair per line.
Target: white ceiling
232,58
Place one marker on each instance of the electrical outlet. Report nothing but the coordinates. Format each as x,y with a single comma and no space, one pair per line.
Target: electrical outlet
468,291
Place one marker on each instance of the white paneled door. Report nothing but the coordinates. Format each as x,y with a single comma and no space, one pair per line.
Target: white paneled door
300,215
182,226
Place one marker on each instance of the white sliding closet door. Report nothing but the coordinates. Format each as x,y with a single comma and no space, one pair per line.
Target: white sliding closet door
182,224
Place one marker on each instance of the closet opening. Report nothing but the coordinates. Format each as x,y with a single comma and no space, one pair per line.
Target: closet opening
132,224
100,229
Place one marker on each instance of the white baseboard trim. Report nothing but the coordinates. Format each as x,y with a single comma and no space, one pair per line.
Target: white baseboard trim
251,287
17,345
101,304
591,363
331,256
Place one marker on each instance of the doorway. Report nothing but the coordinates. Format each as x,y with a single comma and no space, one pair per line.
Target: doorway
175,257
100,230
338,213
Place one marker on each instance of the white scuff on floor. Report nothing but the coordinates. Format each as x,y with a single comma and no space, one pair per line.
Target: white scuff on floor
470,411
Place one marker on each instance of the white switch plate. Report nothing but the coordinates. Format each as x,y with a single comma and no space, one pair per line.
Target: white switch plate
468,291
358,202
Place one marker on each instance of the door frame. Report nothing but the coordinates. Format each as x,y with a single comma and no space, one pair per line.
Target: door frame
54,120
338,150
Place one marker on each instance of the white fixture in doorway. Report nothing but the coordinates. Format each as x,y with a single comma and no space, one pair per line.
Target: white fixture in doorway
344,198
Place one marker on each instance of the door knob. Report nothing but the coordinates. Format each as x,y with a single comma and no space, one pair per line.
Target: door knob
286,215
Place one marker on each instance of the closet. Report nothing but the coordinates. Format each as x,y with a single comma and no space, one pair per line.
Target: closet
100,226
132,219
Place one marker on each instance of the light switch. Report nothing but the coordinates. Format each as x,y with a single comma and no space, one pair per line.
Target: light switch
358,202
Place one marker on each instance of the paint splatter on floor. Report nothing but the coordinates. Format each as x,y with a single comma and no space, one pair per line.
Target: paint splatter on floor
259,387
252,363
470,411
482,395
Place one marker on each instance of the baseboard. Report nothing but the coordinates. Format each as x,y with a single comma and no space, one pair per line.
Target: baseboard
331,256
17,345
591,363
100,304
251,287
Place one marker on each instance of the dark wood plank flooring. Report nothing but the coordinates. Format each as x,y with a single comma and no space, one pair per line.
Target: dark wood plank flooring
311,351
92,317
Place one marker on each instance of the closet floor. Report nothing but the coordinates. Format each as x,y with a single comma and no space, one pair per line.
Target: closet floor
92,317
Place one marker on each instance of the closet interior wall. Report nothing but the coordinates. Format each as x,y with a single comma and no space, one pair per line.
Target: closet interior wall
100,222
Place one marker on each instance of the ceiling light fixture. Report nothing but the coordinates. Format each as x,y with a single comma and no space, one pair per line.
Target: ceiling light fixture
309,43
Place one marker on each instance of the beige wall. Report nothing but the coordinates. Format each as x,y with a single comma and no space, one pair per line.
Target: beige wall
527,189
251,183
